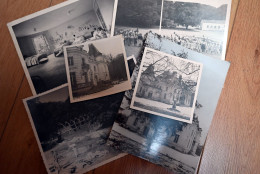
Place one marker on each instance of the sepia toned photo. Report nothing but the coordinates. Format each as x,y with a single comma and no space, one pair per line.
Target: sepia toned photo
96,69
199,25
167,86
40,37
172,144
72,137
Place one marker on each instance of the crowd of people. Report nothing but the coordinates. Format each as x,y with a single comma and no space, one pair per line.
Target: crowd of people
132,37
198,44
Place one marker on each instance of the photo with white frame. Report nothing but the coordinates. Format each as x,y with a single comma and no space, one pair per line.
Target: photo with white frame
72,142
206,34
97,69
167,86
199,25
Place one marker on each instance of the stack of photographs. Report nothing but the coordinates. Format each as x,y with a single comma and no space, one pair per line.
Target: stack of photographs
40,38
72,136
168,140
144,91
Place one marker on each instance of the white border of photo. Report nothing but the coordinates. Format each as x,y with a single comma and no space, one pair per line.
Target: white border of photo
38,140
118,88
158,113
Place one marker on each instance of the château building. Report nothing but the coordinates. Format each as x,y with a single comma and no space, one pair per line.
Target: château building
87,69
183,137
167,88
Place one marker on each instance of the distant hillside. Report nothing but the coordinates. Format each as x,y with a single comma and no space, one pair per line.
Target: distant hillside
212,13
191,14
138,13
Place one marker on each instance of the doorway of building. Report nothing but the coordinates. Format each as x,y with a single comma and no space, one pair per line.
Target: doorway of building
150,95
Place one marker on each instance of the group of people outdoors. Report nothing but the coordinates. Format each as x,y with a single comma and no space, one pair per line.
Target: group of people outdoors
132,37
198,44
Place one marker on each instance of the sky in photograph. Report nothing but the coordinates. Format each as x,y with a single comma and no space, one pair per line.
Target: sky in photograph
59,95
113,46
164,66
214,3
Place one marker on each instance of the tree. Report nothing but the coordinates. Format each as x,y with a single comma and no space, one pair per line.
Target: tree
190,14
186,14
160,64
138,13
159,68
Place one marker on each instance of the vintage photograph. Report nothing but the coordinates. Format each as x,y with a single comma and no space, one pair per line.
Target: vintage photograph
96,69
40,37
200,25
133,19
72,137
173,144
167,85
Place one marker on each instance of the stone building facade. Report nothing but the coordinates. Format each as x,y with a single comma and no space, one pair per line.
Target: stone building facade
167,88
87,68
184,137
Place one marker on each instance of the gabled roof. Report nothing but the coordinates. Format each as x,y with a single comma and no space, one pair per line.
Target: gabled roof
93,51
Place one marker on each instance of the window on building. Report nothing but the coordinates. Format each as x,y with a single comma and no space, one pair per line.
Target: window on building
188,144
73,78
150,94
83,61
176,138
135,122
95,68
70,60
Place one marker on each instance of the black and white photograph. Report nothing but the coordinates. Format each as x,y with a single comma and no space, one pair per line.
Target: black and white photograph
40,37
133,19
200,25
72,137
131,60
172,144
167,85
96,69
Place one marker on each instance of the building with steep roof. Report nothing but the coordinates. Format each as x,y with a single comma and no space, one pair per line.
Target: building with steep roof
167,88
182,136
87,69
